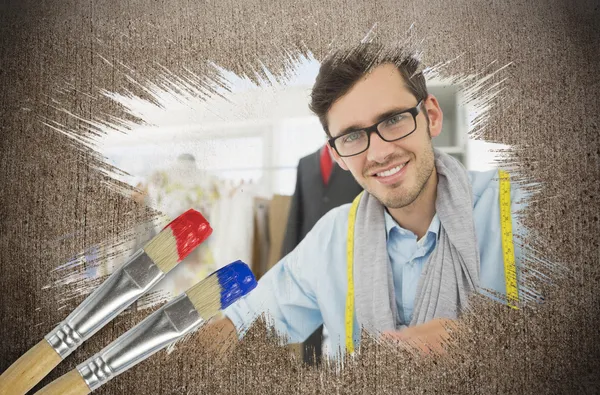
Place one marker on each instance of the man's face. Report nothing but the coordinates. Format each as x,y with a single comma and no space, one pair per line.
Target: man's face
394,172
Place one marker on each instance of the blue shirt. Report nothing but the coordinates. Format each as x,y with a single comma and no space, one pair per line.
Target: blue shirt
407,257
308,287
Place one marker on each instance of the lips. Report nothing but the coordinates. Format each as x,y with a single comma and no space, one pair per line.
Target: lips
390,171
391,176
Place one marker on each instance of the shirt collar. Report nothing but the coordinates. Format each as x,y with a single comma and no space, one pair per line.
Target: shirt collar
390,223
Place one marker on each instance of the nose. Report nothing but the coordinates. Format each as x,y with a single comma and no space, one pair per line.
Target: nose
379,149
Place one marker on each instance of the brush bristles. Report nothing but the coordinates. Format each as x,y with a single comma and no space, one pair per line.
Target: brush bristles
162,249
206,296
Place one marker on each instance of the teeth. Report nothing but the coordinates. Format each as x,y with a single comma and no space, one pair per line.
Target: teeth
390,172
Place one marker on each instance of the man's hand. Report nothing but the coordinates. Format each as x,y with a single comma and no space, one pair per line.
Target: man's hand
426,338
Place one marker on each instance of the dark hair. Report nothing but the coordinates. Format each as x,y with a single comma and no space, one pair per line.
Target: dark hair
342,69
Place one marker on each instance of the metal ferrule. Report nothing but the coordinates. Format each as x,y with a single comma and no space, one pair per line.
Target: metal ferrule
120,290
156,332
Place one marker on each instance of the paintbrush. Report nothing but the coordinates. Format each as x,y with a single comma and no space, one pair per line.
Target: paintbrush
178,318
139,274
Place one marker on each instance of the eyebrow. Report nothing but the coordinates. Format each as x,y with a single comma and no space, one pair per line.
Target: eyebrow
379,118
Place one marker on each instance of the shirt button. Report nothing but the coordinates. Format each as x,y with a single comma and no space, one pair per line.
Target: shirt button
326,199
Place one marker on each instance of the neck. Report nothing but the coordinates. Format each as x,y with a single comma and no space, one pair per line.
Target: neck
417,216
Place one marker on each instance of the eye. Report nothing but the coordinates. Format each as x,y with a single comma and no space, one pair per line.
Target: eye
351,137
395,119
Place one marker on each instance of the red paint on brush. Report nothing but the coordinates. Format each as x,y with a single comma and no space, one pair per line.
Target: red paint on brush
190,229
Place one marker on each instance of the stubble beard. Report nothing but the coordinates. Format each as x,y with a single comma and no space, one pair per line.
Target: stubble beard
400,195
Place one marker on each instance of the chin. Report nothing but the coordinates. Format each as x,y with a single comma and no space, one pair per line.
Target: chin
398,197
395,202
388,198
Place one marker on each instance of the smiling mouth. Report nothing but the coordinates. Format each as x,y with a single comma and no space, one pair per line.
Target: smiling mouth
390,172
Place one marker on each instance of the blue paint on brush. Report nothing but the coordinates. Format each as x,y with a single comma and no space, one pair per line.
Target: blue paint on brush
236,280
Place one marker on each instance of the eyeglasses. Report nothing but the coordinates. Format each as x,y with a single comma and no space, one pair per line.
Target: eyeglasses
392,128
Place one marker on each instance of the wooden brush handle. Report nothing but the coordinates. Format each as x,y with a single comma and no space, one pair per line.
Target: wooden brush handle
70,384
29,370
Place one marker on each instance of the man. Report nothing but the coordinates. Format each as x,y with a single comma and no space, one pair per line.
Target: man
321,185
423,236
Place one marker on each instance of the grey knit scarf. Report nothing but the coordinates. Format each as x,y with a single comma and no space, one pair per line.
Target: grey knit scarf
450,274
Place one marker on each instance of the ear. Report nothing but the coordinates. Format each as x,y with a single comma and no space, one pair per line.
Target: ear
435,115
338,159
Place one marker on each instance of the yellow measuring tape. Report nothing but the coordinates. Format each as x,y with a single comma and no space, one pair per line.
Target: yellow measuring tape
510,271
508,250
350,273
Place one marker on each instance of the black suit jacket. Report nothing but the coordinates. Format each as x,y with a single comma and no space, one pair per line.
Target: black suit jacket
312,199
